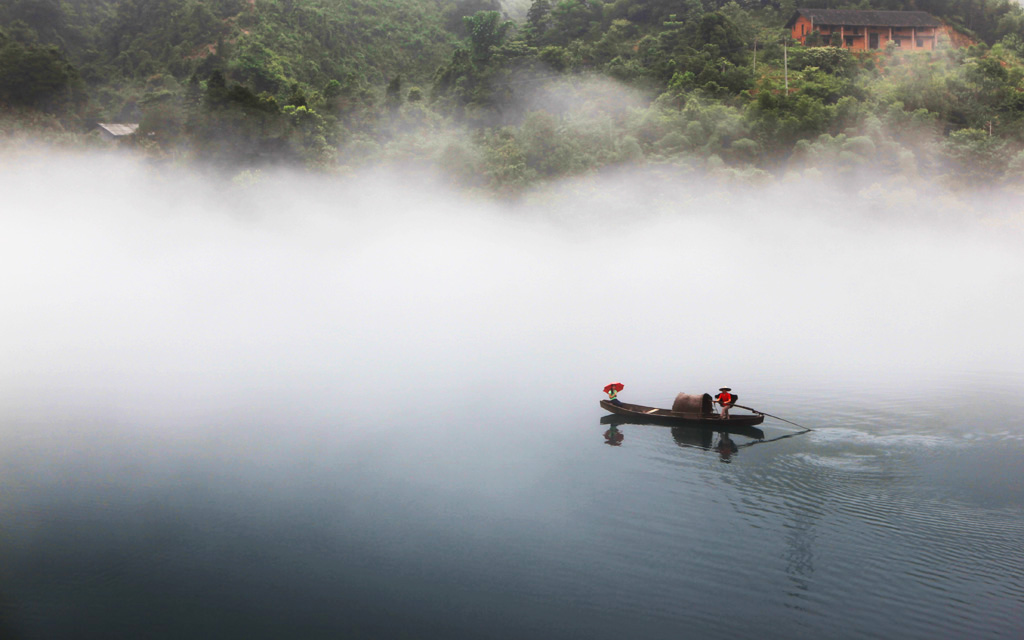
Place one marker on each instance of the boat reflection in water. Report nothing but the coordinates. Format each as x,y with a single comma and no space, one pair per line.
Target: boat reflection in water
720,439
726,447
692,434
613,436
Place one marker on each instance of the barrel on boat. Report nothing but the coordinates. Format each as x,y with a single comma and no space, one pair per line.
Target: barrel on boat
687,403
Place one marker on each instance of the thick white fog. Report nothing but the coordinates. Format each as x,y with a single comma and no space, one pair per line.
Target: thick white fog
138,290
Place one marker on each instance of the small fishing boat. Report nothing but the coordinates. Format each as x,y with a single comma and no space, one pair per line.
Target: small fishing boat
691,431
735,427
686,411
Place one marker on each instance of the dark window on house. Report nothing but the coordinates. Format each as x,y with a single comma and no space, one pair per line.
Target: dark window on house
873,40
849,41
920,42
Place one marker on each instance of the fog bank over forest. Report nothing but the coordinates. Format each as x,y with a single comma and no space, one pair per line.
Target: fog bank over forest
127,285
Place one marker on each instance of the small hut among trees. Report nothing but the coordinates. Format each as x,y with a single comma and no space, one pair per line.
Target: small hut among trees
117,132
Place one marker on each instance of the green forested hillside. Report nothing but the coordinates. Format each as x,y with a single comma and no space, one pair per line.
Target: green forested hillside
567,87
269,45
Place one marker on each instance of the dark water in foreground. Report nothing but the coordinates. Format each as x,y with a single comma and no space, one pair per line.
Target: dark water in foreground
901,516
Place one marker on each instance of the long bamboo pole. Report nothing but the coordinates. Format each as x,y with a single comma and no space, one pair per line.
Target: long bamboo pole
771,416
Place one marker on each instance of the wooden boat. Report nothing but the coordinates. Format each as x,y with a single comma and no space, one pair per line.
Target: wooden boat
694,433
686,411
709,426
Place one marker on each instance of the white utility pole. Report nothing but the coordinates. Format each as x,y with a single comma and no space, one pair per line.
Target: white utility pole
785,65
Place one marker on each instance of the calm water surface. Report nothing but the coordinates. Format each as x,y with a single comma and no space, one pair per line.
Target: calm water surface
218,425
898,517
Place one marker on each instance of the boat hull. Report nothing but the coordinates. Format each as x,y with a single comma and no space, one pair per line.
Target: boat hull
639,414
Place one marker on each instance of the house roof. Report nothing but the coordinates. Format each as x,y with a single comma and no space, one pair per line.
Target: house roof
866,18
118,129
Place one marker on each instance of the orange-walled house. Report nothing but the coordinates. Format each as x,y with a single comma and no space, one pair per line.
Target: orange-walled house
859,30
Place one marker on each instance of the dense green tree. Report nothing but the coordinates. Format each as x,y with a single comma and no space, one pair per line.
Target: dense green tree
975,156
832,60
462,8
538,21
573,19
486,31
35,76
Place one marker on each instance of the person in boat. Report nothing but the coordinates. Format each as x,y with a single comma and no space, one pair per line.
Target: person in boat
613,396
726,399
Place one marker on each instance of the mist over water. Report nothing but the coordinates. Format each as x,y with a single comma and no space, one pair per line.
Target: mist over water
269,373
123,280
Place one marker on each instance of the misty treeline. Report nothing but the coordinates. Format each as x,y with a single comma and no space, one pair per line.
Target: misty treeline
505,95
